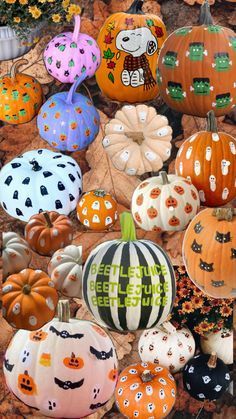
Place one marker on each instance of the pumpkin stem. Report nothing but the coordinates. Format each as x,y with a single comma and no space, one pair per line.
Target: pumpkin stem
15,66
168,326
136,8
137,136
26,289
36,167
211,122
164,178
226,214
63,311
205,17
212,360
48,219
147,376
75,85
127,227
99,192
75,36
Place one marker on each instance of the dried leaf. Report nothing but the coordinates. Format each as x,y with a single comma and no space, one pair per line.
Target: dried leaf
173,242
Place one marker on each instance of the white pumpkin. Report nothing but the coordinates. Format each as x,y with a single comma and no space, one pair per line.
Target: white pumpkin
16,254
40,180
65,270
220,342
167,346
164,203
138,140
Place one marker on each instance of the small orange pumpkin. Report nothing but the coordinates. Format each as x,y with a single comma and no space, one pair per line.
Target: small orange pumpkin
145,390
73,362
38,336
29,299
21,96
26,384
97,210
113,374
209,252
48,231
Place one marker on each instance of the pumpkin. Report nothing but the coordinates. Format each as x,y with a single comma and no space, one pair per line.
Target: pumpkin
164,203
63,383
167,346
138,140
29,299
65,270
20,96
16,254
196,68
70,54
145,390
97,210
220,342
40,180
130,44
128,284
206,377
208,159
48,231
209,252
68,121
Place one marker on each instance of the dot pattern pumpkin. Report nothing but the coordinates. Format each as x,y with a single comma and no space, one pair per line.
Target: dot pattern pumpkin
97,210
144,391
164,204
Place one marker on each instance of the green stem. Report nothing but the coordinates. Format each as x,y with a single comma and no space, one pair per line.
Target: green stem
63,310
15,65
136,8
211,122
127,227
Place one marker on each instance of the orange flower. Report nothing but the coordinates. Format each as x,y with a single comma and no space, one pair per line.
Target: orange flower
204,326
205,309
187,307
184,292
197,302
215,302
226,311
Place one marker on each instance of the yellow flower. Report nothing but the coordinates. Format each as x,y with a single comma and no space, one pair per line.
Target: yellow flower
74,9
42,1
56,18
35,11
68,17
204,326
187,307
197,302
10,1
23,2
65,4
51,1
226,311
17,19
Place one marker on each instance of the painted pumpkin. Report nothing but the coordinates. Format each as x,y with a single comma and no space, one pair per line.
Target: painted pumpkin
209,252
40,180
206,377
167,346
138,140
144,391
208,160
196,68
48,231
71,381
70,54
29,299
20,96
97,210
129,284
130,44
65,270
16,254
68,121
164,203
220,342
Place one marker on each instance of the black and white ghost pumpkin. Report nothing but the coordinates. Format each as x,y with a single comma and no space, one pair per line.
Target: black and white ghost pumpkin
40,180
206,377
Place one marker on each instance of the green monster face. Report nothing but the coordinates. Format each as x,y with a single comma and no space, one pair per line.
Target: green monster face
71,63
201,86
196,51
159,78
25,98
232,42
15,117
214,29
49,60
175,91
222,101
170,59
15,94
222,62
4,91
27,85
22,112
8,118
73,45
62,47
183,31
7,107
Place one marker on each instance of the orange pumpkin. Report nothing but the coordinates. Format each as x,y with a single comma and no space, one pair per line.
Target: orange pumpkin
38,336
21,96
48,231
73,362
29,300
197,66
130,44
208,159
113,374
26,384
145,390
209,252
97,210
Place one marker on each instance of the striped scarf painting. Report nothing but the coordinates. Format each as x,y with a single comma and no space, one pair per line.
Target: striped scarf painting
129,285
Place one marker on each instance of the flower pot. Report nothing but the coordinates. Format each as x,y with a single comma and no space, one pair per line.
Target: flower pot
12,47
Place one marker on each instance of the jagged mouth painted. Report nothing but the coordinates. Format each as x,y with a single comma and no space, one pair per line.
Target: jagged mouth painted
25,387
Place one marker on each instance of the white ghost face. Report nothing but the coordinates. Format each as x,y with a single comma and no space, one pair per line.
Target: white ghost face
96,219
120,391
142,116
108,221
81,202
225,193
208,153
215,137
189,152
16,309
108,204
212,181
149,390
150,407
95,205
191,370
134,386
106,142
197,167
202,196
162,393
218,388
150,155
86,223
232,147
162,381
201,396
126,403
225,167
138,396
85,211
206,379
125,155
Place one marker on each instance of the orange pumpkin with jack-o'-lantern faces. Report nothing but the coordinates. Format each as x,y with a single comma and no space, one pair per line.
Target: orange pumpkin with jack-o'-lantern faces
74,362
26,384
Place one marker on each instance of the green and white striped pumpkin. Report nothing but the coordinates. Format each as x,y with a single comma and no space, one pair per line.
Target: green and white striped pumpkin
129,284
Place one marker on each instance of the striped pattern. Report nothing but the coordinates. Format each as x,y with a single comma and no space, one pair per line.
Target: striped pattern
137,253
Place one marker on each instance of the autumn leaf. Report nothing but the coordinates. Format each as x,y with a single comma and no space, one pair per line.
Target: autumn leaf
108,54
111,77
150,22
108,38
111,65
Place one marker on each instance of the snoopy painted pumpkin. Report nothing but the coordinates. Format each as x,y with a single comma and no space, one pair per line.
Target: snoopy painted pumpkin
130,44
71,382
